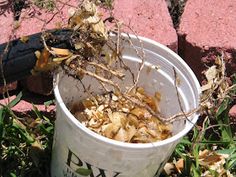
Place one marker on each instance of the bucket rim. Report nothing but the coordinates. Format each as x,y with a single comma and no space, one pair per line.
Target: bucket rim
188,125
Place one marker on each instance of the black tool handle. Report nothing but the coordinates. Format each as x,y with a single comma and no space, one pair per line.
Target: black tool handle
20,57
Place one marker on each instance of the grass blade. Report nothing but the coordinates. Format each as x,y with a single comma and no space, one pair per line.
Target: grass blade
37,112
15,101
83,171
17,125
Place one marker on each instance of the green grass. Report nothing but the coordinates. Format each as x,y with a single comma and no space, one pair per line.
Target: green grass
26,141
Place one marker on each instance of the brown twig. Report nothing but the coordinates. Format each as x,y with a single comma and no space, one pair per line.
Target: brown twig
121,60
106,68
99,78
2,69
178,96
67,3
2,72
46,46
142,57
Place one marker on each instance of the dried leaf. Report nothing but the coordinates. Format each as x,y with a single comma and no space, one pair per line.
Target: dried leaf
60,59
118,118
133,120
213,161
142,136
43,62
169,168
180,165
210,74
16,24
131,132
24,39
95,123
141,113
207,157
110,130
37,54
122,135
71,12
88,18
206,87
61,52
37,144
79,45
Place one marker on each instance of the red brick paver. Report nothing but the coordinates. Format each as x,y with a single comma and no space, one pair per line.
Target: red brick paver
232,111
207,28
149,18
26,104
33,20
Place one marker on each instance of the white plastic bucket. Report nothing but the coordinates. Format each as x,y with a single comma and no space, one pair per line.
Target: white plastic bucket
76,147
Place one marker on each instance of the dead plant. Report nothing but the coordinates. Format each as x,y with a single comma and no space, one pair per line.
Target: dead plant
97,54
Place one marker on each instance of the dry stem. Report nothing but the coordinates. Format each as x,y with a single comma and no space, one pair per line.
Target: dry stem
178,96
121,60
106,68
142,57
46,46
99,78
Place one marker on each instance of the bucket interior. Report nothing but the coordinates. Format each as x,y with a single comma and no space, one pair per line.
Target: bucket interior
151,79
